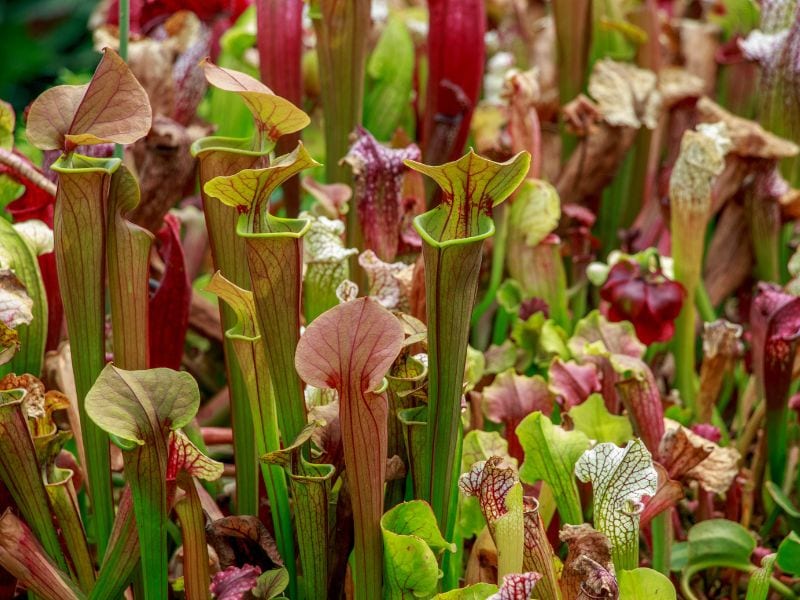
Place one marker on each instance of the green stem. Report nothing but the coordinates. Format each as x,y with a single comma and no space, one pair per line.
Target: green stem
195,548
145,469
451,280
247,347
452,562
124,34
764,220
80,247
124,27
220,157
342,28
498,262
661,529
615,205
684,341
573,21
703,302
122,558
502,321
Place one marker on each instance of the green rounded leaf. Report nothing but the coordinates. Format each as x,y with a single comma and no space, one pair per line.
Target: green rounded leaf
789,554
717,543
550,456
477,591
592,418
644,583
127,403
412,541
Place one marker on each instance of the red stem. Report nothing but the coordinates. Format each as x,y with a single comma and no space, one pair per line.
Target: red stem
280,49
454,78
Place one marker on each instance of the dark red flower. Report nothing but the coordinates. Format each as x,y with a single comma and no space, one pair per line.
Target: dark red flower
645,297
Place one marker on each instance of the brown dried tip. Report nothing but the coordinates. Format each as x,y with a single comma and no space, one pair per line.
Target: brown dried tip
790,204
722,338
749,139
690,457
698,47
676,84
588,571
626,96
580,114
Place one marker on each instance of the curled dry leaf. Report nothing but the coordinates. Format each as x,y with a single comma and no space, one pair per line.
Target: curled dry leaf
689,456
676,84
389,283
522,92
243,540
626,95
588,571
165,63
698,45
668,494
15,304
722,345
165,169
728,262
599,154
627,98
748,138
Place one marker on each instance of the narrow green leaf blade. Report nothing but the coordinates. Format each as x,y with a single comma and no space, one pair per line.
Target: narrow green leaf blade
80,248
128,264
550,456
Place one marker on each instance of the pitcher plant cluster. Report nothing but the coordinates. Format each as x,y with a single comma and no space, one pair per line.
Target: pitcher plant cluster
460,300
